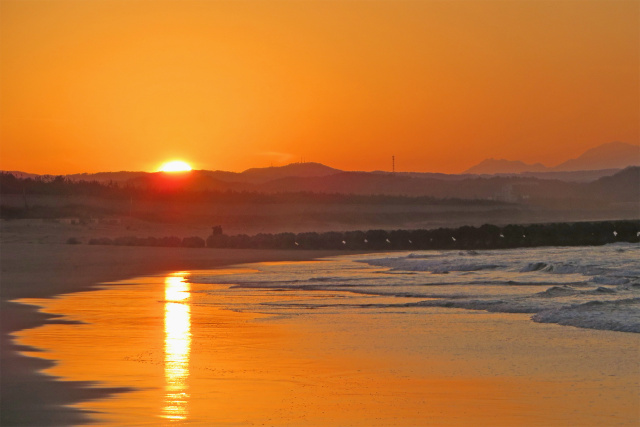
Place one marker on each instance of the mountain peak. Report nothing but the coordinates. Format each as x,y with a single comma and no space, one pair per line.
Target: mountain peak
493,166
612,155
306,169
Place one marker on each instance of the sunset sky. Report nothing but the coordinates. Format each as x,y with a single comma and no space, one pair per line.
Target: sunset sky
108,85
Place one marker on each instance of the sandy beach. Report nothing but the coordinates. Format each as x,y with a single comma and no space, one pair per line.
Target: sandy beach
125,363
31,269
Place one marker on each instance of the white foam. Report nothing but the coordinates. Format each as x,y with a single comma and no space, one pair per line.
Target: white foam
620,315
554,284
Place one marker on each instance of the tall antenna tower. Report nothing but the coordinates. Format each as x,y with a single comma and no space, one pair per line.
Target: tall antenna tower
393,163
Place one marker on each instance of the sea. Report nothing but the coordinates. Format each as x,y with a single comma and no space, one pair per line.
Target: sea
586,287
527,337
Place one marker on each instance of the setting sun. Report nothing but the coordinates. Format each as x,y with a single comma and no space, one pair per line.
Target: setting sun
175,166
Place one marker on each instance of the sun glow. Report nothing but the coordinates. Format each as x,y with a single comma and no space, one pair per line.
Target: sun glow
175,166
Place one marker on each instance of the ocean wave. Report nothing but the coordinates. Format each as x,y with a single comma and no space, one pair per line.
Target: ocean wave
621,315
612,309
535,266
610,280
490,305
600,290
563,268
564,291
554,285
557,291
436,266
421,256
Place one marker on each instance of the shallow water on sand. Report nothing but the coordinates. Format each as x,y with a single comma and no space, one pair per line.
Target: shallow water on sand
285,344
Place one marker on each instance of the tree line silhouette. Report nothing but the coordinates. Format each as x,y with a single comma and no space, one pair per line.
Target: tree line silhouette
62,186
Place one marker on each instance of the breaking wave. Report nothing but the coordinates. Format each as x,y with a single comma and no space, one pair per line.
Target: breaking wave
588,287
620,315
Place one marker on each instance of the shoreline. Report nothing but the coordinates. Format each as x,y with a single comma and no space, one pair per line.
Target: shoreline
450,366
32,270
28,270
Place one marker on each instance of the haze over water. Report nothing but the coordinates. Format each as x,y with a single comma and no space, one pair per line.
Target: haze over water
374,339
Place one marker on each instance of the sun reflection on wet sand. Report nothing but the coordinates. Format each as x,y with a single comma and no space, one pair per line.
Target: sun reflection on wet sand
203,354
177,346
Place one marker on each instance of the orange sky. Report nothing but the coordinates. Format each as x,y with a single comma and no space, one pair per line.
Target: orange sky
106,85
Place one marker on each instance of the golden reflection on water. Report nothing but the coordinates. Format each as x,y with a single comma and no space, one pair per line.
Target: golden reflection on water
352,367
177,346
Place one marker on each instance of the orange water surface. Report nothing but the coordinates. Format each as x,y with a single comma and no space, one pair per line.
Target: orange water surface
193,360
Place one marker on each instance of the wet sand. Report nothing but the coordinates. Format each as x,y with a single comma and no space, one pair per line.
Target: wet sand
30,269
206,365
434,367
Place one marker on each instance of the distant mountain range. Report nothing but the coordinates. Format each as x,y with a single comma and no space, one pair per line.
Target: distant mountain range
613,155
595,163
619,188
250,176
510,183
494,166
